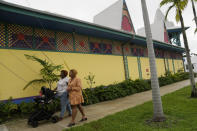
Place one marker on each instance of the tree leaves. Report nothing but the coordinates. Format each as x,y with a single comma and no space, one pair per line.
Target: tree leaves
38,81
177,4
48,71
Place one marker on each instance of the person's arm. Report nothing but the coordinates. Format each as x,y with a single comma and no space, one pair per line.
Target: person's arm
69,88
78,86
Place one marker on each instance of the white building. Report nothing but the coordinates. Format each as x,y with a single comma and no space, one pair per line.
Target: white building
160,28
194,64
116,16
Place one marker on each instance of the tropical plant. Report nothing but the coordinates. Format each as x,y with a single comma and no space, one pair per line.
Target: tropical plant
48,72
180,5
157,103
10,110
90,79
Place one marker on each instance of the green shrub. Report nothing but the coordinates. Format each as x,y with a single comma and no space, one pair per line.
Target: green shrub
114,91
94,95
128,87
8,108
26,108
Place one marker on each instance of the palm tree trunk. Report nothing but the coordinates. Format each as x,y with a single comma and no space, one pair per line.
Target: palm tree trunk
191,73
157,103
194,11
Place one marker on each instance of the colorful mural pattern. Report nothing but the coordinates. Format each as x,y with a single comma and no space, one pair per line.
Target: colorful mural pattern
20,36
2,35
45,39
23,37
81,43
64,41
127,24
117,49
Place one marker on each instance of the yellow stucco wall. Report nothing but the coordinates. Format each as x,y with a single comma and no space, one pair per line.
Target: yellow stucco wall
170,65
107,69
178,64
133,68
145,68
160,67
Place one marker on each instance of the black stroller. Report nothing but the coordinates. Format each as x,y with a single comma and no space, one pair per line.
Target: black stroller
42,112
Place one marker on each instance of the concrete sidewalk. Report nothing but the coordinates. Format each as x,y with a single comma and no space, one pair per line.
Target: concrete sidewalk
97,111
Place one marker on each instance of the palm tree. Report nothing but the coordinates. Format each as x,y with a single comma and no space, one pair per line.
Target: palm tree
180,5
157,103
48,72
194,11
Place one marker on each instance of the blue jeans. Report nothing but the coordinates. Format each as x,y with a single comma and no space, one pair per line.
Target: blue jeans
64,101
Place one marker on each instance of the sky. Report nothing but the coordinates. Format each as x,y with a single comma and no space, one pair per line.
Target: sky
86,10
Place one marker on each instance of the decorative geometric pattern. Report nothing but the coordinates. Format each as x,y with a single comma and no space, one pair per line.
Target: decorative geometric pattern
134,51
127,24
166,37
81,43
141,52
159,53
156,53
178,56
172,55
45,39
107,46
95,47
20,36
117,49
2,35
167,54
64,41
175,55
145,52
127,50
138,51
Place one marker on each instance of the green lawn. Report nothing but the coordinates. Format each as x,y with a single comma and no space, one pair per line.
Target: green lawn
179,108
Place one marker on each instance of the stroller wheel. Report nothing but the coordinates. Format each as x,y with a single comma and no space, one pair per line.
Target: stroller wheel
34,124
54,119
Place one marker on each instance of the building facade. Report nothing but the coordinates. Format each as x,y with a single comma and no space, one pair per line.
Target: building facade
112,55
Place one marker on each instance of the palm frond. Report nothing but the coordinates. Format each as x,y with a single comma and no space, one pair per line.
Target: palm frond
48,71
34,58
183,4
38,81
177,16
169,11
165,2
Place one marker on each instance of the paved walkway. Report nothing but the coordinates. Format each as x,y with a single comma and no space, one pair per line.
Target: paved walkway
96,111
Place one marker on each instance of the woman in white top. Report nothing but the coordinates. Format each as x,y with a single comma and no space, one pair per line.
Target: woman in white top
61,89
